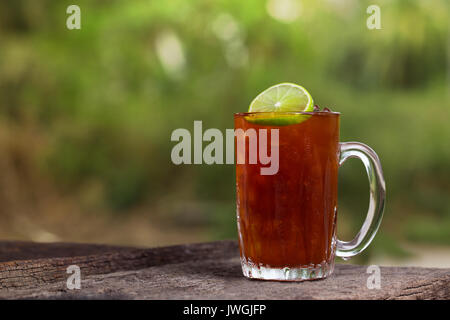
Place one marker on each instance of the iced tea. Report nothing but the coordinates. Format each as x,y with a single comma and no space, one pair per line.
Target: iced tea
287,221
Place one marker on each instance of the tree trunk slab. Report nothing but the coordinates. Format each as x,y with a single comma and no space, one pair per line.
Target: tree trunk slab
193,271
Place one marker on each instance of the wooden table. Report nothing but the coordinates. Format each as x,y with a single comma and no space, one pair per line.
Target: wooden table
194,271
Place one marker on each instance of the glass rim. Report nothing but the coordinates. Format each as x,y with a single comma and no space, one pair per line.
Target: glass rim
318,113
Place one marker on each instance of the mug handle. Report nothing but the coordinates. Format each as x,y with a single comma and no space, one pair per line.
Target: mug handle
348,249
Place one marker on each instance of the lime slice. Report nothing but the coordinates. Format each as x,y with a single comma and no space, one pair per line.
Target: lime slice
281,98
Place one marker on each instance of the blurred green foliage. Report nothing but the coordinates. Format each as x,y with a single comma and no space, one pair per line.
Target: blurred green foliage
106,98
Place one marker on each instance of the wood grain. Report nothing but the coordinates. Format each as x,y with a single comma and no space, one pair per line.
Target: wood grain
195,271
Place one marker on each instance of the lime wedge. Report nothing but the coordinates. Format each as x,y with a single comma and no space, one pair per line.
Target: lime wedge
277,101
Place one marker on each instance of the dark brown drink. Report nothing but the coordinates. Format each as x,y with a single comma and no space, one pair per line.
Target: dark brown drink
287,221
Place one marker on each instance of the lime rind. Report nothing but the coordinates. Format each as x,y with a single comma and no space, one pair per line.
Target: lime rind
276,119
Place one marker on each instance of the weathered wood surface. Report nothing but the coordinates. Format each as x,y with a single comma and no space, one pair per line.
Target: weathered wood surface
196,271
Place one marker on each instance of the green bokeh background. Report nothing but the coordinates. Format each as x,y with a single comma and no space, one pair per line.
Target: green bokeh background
86,115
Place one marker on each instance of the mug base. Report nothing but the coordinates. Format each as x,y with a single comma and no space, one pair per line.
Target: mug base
309,272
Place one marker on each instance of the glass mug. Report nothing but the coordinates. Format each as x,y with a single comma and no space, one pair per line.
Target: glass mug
287,220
